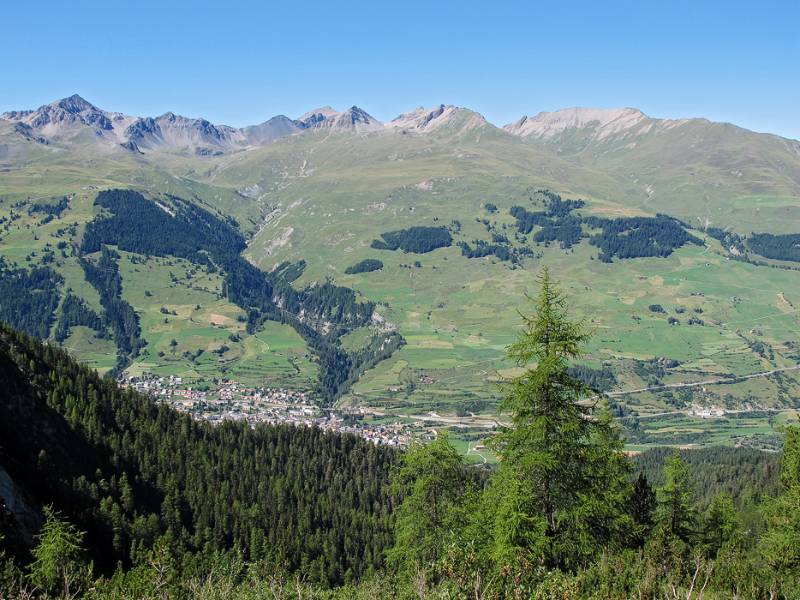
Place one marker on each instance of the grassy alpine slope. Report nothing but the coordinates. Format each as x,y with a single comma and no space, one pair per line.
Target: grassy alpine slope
457,314
324,196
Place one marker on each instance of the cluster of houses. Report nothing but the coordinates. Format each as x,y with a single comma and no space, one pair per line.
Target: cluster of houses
228,400
168,388
394,434
706,412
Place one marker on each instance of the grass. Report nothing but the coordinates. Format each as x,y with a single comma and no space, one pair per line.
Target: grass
99,354
458,315
324,200
194,333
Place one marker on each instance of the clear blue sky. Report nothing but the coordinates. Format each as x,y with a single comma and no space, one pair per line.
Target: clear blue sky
240,62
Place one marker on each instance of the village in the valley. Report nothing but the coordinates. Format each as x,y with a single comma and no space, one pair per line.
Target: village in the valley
228,400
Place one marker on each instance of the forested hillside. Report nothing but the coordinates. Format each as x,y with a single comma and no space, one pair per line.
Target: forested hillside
741,473
29,297
131,473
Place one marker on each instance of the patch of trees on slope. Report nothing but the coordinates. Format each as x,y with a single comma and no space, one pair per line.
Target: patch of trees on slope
321,314
419,240
626,237
29,297
779,247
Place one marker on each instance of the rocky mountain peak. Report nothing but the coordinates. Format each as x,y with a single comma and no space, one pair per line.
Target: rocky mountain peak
429,119
605,122
76,104
271,130
61,116
316,116
354,119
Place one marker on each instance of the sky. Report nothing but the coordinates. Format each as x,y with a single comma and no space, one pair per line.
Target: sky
239,63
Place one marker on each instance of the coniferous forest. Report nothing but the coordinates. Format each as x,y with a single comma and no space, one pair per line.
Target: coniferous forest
120,497
29,297
623,238
131,474
414,239
781,247
364,266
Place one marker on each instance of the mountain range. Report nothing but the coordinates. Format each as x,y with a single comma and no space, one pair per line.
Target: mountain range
684,166
570,130
64,120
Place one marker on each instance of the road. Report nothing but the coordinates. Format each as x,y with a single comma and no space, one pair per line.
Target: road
699,383
489,423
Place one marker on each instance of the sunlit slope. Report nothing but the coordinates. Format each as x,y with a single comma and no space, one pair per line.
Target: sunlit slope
327,197
708,172
339,163
30,170
210,339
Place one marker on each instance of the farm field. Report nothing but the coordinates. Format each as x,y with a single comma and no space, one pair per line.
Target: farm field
195,334
459,314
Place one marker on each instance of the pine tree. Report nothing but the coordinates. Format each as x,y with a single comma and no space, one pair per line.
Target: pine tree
675,514
779,547
721,526
58,567
561,486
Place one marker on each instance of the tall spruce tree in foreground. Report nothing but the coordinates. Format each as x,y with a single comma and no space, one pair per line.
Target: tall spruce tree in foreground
641,507
672,544
721,526
561,487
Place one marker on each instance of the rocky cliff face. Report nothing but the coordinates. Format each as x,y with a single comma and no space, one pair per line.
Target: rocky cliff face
27,512
175,131
315,117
